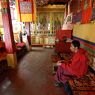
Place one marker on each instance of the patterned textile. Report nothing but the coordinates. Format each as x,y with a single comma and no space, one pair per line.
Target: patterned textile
84,85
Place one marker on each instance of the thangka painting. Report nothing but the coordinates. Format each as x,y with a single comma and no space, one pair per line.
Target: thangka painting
80,5
50,21
77,17
87,11
93,3
93,10
86,4
43,21
25,10
58,19
25,7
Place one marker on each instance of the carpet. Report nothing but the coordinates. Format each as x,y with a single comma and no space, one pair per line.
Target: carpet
84,85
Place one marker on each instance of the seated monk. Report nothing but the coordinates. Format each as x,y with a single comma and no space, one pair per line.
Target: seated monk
76,67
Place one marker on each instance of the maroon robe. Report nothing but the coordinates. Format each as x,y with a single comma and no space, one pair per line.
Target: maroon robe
78,66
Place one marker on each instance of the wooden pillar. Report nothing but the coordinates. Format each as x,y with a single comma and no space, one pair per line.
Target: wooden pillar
8,34
27,28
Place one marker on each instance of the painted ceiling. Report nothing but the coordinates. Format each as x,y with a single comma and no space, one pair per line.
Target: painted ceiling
45,2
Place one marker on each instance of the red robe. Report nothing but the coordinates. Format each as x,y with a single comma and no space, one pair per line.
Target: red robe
78,65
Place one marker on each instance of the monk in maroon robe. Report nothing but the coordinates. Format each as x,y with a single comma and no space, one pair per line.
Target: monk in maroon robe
76,67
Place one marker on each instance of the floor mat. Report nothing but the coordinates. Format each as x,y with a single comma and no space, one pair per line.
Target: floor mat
84,86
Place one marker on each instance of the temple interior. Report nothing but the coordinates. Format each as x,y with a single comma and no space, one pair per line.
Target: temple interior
35,35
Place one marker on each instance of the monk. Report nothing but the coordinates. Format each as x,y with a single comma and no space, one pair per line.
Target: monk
76,67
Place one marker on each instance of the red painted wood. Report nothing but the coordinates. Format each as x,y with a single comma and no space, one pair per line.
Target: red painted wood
61,33
8,31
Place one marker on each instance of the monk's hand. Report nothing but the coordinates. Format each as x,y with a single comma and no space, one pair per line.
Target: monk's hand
59,63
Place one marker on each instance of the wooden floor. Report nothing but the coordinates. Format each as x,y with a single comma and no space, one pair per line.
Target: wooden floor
32,77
